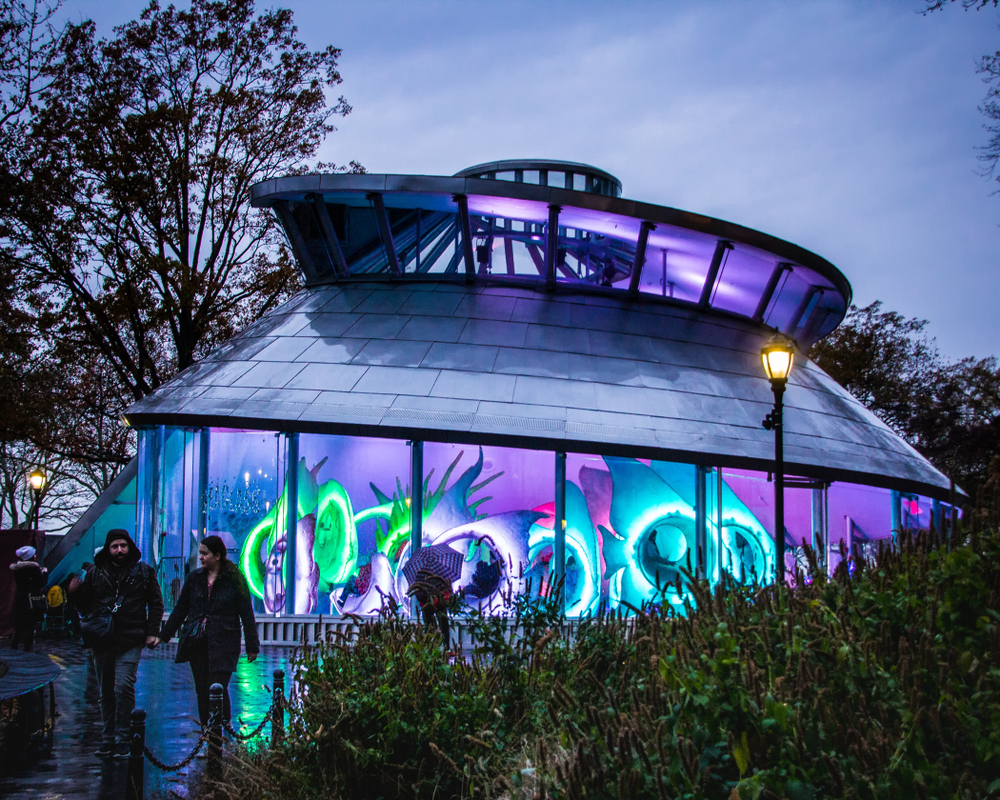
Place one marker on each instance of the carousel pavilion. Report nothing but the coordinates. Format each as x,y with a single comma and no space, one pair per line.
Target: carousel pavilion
474,357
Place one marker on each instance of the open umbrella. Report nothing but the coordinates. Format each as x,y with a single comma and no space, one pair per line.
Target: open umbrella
438,560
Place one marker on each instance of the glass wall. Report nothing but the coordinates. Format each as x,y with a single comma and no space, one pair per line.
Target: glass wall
353,508
631,526
246,479
177,508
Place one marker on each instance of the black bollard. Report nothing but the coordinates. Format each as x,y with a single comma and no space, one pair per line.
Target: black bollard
278,715
136,757
214,724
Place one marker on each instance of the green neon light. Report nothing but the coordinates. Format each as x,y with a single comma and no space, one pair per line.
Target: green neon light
250,562
384,510
335,550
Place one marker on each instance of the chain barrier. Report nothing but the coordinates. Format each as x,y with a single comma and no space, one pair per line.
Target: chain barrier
180,764
245,737
274,715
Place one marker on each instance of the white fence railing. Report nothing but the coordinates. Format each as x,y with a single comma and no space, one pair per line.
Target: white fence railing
292,630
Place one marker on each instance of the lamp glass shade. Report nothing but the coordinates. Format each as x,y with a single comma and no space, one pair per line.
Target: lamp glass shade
37,480
778,361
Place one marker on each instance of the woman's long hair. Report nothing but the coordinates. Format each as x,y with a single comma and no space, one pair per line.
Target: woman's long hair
227,566
216,547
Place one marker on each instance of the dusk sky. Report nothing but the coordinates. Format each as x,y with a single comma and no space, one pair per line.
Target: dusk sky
849,128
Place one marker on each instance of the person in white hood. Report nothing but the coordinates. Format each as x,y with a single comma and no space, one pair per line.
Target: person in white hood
28,582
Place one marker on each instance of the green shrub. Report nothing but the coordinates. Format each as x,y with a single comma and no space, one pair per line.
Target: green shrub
880,684
386,715
883,684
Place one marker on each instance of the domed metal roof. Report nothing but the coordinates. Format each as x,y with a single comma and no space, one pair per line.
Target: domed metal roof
494,307
526,367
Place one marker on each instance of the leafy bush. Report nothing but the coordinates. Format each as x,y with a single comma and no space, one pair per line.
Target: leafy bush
385,714
880,684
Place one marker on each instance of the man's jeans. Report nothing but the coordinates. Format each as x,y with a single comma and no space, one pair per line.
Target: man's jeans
116,672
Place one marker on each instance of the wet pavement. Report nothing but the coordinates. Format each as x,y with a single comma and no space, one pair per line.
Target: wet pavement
165,690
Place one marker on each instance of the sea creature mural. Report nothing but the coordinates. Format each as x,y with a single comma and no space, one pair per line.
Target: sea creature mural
451,518
327,542
640,519
748,552
630,529
325,532
651,536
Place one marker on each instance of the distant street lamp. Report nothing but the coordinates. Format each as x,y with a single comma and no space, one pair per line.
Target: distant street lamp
37,481
778,355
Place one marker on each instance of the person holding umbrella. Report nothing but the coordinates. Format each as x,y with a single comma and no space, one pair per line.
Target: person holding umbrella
430,572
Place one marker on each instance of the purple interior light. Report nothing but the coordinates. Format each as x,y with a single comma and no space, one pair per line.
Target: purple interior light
868,507
685,274
742,280
509,208
616,226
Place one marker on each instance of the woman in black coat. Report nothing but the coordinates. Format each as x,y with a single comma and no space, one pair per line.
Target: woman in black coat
29,582
214,602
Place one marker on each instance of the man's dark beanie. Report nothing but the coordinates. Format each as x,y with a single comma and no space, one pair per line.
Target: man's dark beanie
117,533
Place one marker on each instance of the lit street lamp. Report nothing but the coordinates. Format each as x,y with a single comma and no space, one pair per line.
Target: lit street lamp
778,355
37,482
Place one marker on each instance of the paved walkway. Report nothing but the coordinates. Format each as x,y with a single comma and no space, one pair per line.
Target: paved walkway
165,690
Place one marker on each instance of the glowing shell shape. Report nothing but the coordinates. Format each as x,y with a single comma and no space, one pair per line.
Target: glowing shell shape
653,536
584,593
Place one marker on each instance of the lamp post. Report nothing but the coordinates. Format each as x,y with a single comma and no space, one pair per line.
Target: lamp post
36,480
778,356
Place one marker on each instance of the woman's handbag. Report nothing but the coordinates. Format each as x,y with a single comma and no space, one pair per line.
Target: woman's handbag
38,602
193,630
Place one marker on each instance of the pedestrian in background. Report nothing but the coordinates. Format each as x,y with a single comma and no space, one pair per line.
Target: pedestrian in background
28,585
433,595
121,611
213,604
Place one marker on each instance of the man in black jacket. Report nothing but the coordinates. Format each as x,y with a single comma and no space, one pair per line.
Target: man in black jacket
124,587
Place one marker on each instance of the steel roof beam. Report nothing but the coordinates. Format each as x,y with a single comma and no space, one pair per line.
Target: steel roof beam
552,247
442,226
466,227
770,288
300,250
385,231
803,308
329,235
713,272
814,323
640,256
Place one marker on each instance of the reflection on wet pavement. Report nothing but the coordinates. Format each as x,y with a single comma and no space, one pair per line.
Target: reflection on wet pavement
165,690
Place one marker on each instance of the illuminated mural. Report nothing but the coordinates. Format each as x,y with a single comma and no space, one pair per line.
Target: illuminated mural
327,563
630,524
630,530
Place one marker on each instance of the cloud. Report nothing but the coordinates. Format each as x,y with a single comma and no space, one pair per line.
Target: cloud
848,128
